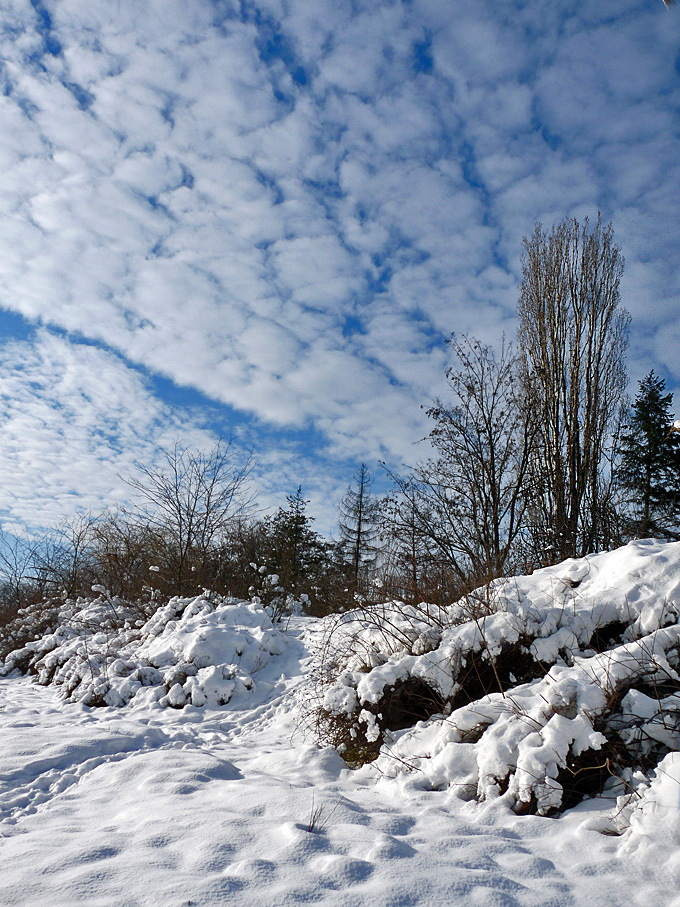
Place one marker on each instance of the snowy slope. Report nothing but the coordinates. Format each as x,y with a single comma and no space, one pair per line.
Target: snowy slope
539,688
207,804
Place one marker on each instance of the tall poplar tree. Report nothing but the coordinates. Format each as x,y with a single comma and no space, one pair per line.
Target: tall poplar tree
572,335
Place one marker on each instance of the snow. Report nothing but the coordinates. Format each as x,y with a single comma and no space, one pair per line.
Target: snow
530,732
654,831
202,651
197,783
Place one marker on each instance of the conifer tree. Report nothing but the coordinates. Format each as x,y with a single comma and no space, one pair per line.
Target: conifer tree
297,552
650,462
359,514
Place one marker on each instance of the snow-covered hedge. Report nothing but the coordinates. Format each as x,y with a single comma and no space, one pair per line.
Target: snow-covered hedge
198,651
538,688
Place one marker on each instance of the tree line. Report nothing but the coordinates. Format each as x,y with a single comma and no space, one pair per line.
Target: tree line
536,455
193,527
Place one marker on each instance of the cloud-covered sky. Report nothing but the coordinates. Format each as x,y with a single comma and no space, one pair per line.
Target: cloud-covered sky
262,219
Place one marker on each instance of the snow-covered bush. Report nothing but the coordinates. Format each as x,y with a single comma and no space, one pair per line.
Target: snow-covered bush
29,623
267,591
191,651
539,688
41,618
649,819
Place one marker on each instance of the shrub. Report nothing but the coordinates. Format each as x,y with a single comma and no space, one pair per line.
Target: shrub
555,685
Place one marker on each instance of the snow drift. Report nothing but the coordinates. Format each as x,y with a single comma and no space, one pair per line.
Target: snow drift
518,699
537,689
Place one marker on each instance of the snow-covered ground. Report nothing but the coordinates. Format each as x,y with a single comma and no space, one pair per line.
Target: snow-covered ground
232,803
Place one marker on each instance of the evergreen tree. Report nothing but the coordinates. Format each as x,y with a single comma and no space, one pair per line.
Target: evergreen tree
359,516
650,462
296,552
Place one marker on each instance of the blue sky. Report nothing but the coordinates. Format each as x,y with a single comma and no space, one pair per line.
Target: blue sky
262,219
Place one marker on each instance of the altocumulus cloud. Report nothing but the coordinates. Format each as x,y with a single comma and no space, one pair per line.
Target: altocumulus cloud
287,206
74,418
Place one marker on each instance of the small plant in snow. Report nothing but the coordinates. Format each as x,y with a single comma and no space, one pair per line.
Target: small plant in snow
267,591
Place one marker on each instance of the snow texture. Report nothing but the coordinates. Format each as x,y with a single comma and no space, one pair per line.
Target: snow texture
156,798
520,740
191,651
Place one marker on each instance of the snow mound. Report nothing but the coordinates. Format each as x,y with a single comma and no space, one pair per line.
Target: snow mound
199,651
538,689
654,820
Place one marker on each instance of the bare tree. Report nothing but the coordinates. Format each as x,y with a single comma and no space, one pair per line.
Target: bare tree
123,549
189,504
468,502
412,567
573,337
62,560
18,582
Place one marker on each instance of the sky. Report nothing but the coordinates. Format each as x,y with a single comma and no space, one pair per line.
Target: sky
262,220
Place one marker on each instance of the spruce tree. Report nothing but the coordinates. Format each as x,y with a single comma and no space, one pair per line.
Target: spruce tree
358,522
650,462
296,551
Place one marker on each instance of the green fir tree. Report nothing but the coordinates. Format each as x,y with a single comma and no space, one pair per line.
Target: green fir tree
296,552
650,462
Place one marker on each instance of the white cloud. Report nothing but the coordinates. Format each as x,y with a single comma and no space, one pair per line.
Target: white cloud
73,421
221,193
